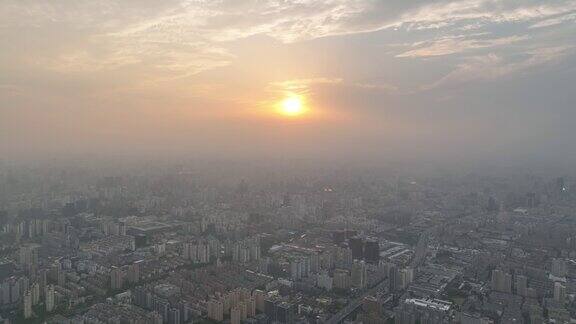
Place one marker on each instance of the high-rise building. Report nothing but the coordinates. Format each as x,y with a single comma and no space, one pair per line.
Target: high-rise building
314,262
372,251
23,285
28,304
50,298
324,281
531,200
116,278
359,274
406,277
399,279
28,256
198,252
162,307
421,249
264,265
251,307
42,280
226,303
298,269
174,316
259,298
345,257
254,245
203,253
215,310
244,294
341,279
492,205
559,292
558,268
235,315
270,309
194,251
15,294
356,244
134,272
394,279
5,293
156,318
501,281
57,274
521,284
186,251
35,291
243,310
284,313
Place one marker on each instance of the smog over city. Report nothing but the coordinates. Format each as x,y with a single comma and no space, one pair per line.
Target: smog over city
287,161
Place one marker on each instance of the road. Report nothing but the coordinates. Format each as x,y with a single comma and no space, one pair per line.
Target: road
353,305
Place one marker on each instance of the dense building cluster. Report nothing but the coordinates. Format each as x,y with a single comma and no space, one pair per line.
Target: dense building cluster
178,246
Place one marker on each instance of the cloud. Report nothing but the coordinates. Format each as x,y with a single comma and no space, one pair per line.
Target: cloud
375,86
493,66
297,20
555,21
185,21
458,44
303,86
449,13
159,41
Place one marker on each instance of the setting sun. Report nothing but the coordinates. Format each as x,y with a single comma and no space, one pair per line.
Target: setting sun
292,106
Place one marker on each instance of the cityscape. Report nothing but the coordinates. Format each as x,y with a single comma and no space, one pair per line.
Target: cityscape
287,162
199,244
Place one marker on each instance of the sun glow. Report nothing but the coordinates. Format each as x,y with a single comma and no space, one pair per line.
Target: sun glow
292,106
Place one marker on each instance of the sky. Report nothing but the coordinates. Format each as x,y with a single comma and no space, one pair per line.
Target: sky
400,79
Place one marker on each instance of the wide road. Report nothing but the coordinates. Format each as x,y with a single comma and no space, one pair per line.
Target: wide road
353,305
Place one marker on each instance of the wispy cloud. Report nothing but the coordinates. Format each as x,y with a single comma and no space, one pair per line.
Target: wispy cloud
304,86
568,18
449,13
492,66
174,39
452,45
